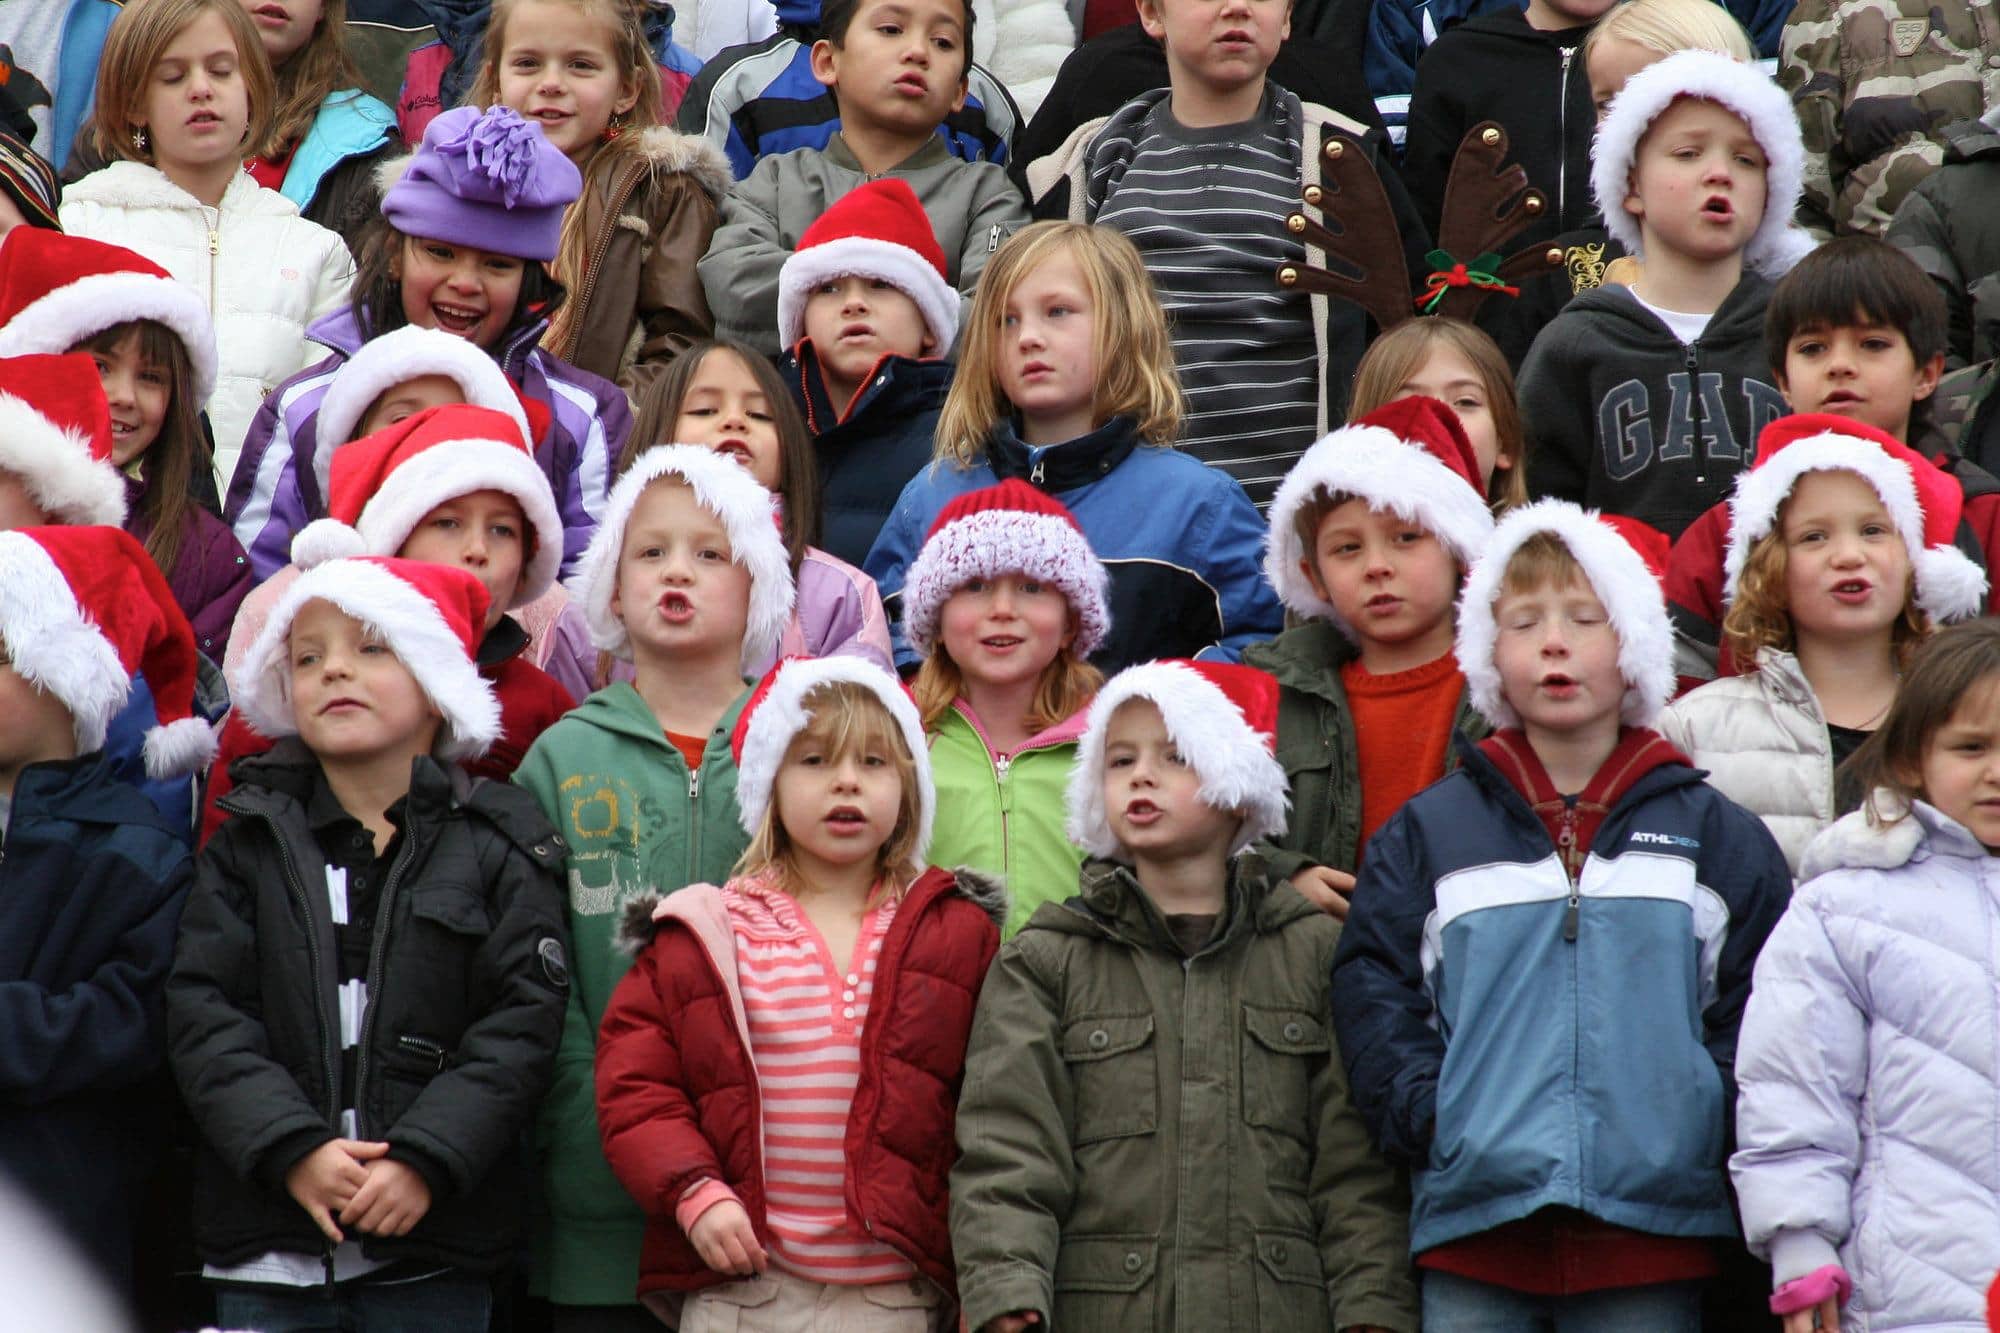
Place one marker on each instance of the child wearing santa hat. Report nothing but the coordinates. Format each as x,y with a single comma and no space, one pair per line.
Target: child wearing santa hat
370,977
1152,1108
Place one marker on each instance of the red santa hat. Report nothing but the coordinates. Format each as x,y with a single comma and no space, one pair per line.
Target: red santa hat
56,290
383,485
397,357
781,706
1618,573
878,230
1410,458
1923,500
55,435
1224,719
1011,528
82,611
431,616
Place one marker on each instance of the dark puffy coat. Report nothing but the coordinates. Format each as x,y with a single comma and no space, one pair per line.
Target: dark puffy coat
466,993
211,575
1947,224
677,1096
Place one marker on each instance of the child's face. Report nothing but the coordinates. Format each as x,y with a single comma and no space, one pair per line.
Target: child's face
837,809
407,399
1961,767
1392,581
901,68
558,68
1152,795
137,392
468,293
725,408
285,26
1612,61
854,322
1863,371
1048,349
18,507
679,593
195,107
1847,571
352,698
34,724
1221,45
1447,376
1557,657
484,533
1004,631
1698,182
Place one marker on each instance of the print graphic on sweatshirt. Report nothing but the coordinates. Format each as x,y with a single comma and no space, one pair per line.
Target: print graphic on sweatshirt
1625,429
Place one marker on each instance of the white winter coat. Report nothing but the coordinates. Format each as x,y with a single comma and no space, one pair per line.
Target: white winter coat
266,271
1869,1070
1764,742
1023,43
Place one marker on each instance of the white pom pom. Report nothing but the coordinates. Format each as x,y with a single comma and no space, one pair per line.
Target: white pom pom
179,747
323,540
1949,585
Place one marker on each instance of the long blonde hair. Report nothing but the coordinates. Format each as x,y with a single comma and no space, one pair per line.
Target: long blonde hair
1394,357
1133,349
139,36
314,73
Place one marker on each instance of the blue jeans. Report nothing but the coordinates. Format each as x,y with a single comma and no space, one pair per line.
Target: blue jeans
448,1303
1454,1304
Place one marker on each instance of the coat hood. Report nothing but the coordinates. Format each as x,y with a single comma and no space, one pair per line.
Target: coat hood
1856,842
798,13
1626,326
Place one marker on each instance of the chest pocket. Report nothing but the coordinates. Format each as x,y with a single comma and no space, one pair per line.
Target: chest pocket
452,908
1282,1051
1115,1069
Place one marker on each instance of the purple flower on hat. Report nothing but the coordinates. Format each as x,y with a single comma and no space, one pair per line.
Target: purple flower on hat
501,145
488,179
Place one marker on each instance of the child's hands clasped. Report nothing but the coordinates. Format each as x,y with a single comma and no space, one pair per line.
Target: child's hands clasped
326,1180
726,1241
393,1199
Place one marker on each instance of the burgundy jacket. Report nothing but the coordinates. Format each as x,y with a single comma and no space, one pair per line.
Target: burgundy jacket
210,577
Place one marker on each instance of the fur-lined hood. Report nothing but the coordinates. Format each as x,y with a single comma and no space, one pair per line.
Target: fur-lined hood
666,150
1889,841
640,920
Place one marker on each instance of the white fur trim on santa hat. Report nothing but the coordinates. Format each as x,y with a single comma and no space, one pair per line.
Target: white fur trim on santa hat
409,622
1007,541
1238,770
326,539
1372,464
179,747
1619,577
867,257
782,713
1743,89
53,643
62,318
397,357
453,468
1949,585
55,465
749,515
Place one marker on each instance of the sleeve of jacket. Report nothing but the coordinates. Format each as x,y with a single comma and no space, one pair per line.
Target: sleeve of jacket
1798,1121
1396,38
225,583
1742,861
740,271
673,309
1920,231
1436,124
997,213
1764,20
1232,563
1809,68
1015,1180
264,508
1693,584
888,561
1381,1010
332,284
1554,392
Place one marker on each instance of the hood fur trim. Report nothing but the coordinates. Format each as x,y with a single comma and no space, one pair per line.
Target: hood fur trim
638,922
667,150
987,891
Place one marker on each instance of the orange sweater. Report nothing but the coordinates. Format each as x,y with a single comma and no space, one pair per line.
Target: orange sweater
1402,732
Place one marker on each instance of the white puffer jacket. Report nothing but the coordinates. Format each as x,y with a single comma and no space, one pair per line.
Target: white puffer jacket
1869,1069
1024,43
1763,740
266,272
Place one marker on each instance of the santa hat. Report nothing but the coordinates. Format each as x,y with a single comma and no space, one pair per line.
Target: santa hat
1410,458
397,357
1743,89
749,515
1923,501
431,616
55,435
1222,717
57,290
384,484
1618,574
877,230
1011,528
779,709
82,611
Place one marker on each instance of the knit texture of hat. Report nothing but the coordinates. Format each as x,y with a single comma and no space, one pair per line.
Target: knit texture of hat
878,230
487,179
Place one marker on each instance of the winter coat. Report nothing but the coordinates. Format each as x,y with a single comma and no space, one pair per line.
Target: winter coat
210,577
1624,417
1946,224
1588,257
1526,1041
274,492
91,885
1317,747
1149,1141
1024,43
649,215
1005,815
1875,83
710,27
455,1051
266,272
637,822
677,1091
1763,740
1181,541
972,207
1870,1071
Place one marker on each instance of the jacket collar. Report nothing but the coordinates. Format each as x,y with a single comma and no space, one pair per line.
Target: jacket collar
502,644
280,780
933,153
1893,839
1109,901
1066,466
85,789
137,185
897,384
619,710
1661,773
1307,658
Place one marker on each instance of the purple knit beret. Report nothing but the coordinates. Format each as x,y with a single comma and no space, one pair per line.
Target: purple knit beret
487,179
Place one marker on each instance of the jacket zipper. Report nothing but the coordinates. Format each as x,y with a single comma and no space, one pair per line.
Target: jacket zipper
378,947
694,822
621,194
1697,424
214,251
1562,142
1565,844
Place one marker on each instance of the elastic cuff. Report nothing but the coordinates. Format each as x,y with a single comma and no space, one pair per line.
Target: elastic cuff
700,1197
1803,1293
1796,1252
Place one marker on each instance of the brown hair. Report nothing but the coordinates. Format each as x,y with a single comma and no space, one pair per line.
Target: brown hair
313,73
1400,353
1944,672
1543,559
1065,687
376,299
165,506
139,35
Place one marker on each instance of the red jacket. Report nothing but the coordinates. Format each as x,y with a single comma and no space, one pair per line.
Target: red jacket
677,1095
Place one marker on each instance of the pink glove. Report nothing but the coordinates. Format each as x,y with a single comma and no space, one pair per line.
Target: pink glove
1803,1293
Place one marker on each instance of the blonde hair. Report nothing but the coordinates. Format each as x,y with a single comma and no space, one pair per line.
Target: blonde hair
314,73
1394,357
1541,561
1667,26
1133,349
1064,689
845,718
139,36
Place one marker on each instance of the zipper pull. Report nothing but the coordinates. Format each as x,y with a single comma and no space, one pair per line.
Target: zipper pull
1693,359
992,239
1037,474
694,784
1000,766
1570,915
214,243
